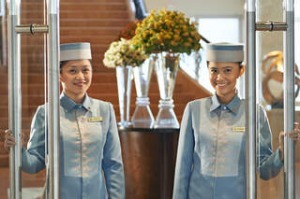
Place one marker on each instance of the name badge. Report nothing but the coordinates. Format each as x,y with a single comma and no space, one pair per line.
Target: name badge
95,119
238,129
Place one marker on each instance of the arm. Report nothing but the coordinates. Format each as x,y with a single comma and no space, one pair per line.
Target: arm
269,162
112,160
184,161
33,158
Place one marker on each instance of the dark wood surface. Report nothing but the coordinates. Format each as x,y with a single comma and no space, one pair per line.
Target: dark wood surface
149,157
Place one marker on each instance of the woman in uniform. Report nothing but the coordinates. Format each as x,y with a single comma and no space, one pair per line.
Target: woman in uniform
90,152
211,149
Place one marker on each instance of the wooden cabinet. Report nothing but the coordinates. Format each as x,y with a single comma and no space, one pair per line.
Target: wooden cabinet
149,157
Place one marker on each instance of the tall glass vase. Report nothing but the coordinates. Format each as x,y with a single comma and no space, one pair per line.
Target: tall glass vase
166,68
124,82
142,116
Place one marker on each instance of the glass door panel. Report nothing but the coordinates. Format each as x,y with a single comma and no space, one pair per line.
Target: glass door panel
33,94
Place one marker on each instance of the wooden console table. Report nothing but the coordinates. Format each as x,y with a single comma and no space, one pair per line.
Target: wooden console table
149,157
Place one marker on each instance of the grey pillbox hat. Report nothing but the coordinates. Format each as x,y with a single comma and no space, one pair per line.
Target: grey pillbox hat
75,51
225,52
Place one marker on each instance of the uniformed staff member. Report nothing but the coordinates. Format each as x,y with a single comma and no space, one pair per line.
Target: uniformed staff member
90,153
211,149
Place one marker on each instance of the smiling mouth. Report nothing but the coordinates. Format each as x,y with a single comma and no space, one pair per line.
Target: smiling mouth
220,84
80,84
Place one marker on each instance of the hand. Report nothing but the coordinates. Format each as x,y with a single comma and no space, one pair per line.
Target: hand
294,135
281,145
9,140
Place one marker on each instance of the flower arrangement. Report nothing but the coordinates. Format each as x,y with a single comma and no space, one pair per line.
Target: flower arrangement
129,30
169,31
123,53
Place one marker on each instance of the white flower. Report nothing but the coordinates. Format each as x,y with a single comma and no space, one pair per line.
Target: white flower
123,53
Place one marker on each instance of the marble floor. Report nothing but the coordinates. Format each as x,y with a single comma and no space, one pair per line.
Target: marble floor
31,192
32,185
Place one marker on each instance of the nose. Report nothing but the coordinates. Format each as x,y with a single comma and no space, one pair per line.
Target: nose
79,75
219,76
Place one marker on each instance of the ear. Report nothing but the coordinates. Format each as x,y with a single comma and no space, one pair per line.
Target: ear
242,70
60,78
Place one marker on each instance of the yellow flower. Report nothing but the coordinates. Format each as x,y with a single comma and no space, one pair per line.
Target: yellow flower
167,31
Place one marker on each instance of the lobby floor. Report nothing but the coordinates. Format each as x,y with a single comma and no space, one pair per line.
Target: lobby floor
32,185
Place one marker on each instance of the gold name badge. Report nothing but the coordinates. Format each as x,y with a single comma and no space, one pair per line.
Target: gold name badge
238,129
95,119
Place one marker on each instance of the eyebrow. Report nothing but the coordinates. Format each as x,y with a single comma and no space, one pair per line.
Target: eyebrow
221,68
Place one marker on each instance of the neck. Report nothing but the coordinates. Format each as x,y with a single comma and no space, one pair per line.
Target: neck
78,99
225,99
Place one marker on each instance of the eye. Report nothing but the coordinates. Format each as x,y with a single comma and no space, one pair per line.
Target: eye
86,70
228,70
213,70
72,71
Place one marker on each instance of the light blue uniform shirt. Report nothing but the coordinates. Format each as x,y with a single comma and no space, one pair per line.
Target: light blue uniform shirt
90,153
211,151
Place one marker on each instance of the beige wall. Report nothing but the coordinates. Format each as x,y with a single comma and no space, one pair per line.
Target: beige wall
199,7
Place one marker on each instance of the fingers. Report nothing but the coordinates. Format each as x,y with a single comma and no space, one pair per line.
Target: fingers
9,140
282,134
296,125
294,136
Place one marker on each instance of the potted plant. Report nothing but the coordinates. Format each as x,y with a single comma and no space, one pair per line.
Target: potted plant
122,55
166,34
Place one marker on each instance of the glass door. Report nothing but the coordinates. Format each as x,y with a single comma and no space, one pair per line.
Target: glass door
271,49
26,81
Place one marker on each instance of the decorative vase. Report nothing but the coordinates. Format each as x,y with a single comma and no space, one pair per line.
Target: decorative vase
124,82
166,68
142,116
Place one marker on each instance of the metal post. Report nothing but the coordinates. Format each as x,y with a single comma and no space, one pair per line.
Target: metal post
289,100
15,105
15,98
53,98
251,100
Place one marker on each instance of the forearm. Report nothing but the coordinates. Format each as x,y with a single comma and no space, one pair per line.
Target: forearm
114,177
271,165
32,163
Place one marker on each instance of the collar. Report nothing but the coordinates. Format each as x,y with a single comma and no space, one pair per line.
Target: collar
233,105
68,104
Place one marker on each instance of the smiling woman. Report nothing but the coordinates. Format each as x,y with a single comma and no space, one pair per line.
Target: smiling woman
89,142
211,146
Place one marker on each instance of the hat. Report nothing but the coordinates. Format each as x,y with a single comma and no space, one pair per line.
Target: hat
225,52
75,51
